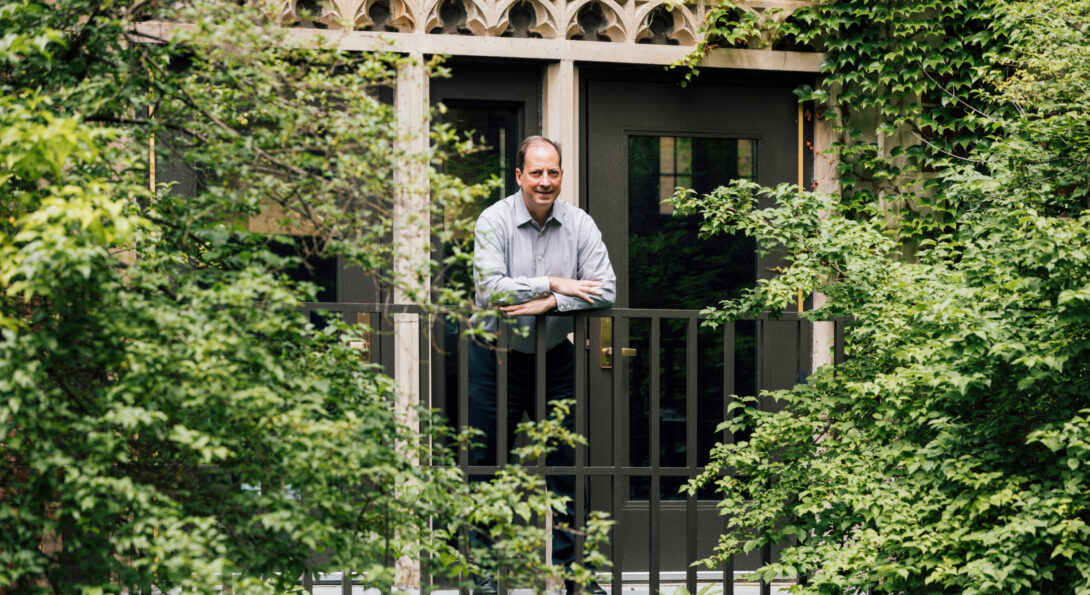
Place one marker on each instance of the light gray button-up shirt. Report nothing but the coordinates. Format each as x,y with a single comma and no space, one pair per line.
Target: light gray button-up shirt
514,259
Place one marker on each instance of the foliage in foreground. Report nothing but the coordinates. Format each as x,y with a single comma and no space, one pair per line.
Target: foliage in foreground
949,453
168,417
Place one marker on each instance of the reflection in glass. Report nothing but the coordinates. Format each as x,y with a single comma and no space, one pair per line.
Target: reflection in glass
492,127
671,267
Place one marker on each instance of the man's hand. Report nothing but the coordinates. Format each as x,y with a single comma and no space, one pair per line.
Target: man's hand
531,308
575,288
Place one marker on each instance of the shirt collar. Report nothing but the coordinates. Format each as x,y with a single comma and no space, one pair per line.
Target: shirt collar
522,214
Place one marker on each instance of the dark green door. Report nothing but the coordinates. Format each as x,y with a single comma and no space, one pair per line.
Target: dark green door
643,135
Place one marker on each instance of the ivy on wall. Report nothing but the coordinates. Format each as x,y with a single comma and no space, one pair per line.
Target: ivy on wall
948,453
905,83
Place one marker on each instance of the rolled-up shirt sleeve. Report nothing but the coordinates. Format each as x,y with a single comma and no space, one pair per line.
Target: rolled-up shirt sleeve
494,286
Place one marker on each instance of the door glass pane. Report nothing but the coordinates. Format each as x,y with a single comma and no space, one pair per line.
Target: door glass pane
491,126
671,267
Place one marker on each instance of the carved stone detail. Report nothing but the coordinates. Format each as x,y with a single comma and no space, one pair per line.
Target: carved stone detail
351,12
616,21
595,20
665,24
387,16
525,18
457,17
308,13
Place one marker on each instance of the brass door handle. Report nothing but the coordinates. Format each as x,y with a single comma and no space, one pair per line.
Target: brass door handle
625,351
364,346
605,360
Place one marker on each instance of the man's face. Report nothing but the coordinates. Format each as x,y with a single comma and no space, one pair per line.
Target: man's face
540,177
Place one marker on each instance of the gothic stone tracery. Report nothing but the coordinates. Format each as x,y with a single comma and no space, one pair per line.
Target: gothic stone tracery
618,21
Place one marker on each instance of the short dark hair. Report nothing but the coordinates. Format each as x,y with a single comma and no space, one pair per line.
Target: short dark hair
537,140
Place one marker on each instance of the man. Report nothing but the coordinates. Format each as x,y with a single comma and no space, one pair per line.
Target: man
533,255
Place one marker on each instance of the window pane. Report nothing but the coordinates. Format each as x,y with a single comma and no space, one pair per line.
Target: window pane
666,155
683,155
746,152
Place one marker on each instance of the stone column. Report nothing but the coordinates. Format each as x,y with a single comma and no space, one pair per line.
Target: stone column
561,121
825,180
412,253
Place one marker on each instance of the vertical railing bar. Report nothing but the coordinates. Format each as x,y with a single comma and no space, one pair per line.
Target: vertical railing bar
620,455
654,504
502,357
540,394
762,346
346,582
540,377
759,333
502,448
386,337
502,431
424,353
729,377
581,407
838,341
728,436
463,388
691,416
500,427
804,362
462,414
437,354
766,559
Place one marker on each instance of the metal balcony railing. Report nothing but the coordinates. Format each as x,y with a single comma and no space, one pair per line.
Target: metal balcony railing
651,386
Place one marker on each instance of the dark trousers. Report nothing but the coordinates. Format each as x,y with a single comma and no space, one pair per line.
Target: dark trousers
521,379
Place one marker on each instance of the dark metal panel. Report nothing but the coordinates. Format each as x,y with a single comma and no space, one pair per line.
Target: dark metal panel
476,81
780,360
354,285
